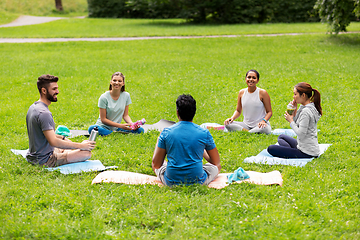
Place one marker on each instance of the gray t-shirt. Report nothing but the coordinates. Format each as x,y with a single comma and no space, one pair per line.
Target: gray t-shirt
114,108
39,119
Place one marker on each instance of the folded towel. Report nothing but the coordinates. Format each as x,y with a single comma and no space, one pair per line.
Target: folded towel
63,131
238,175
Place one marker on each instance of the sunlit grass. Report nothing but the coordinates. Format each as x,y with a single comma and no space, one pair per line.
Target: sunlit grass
320,200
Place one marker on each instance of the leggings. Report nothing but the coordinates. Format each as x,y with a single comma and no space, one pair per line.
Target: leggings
239,126
287,148
104,132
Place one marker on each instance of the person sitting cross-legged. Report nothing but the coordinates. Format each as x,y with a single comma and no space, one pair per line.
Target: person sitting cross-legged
45,147
185,144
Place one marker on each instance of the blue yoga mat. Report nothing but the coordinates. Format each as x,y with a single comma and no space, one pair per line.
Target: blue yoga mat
285,131
266,158
86,166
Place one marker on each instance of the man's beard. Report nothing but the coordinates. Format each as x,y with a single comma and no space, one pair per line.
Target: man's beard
51,98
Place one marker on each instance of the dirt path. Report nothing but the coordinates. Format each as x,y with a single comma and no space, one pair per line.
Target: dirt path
42,40
30,20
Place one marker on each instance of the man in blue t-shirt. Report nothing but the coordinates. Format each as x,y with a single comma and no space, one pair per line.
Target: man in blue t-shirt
186,144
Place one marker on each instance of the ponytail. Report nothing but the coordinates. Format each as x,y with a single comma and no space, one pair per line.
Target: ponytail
311,93
316,100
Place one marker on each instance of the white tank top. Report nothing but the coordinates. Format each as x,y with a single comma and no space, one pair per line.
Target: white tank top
253,108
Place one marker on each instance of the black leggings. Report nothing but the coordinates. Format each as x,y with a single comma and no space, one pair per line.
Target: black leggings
287,148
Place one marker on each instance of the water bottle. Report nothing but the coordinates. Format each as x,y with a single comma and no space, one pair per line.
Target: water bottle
94,134
134,125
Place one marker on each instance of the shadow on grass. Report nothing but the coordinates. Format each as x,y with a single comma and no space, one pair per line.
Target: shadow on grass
195,189
349,39
180,23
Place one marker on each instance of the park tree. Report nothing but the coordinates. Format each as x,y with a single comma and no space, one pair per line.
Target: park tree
357,8
58,5
337,13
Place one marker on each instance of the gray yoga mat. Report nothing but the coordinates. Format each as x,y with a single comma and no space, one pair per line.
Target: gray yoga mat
75,133
159,126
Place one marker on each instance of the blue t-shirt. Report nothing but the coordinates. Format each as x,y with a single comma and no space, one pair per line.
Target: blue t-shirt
185,143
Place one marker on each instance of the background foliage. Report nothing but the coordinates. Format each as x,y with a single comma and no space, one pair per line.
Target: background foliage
42,8
337,13
220,11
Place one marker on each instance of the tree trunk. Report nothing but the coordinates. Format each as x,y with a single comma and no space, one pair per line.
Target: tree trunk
58,5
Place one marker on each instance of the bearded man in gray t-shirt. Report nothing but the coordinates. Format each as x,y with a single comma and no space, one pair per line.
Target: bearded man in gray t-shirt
45,147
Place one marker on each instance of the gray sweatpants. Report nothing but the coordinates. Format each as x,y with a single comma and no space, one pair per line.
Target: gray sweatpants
238,126
211,170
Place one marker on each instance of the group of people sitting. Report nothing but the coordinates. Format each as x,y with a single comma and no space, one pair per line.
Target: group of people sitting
185,144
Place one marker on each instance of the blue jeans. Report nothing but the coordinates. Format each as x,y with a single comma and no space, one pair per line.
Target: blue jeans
287,148
104,132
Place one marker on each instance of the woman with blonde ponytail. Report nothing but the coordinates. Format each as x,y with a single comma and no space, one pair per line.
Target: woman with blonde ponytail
304,123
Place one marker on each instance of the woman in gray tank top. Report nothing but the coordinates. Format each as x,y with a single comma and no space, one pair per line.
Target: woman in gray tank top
255,104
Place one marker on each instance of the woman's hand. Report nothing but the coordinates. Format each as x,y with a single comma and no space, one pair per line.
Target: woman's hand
262,124
136,127
294,103
228,121
288,117
125,126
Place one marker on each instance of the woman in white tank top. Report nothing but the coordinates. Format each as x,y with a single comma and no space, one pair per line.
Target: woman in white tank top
255,104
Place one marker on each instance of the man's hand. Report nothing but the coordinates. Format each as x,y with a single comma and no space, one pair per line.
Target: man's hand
87,145
158,157
213,157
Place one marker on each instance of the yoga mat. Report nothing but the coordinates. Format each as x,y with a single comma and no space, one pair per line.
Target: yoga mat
277,131
159,126
215,126
86,166
75,133
265,158
220,181
285,131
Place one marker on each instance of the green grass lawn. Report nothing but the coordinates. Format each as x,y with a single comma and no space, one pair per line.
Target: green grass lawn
160,27
318,201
